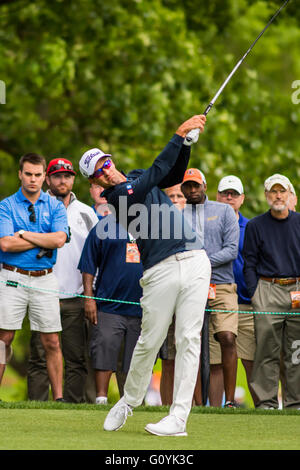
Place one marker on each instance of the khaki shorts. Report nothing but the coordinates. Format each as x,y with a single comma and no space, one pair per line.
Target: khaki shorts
226,299
245,341
43,307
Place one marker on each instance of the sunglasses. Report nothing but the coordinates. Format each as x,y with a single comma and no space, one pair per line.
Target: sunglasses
233,194
60,166
32,216
107,164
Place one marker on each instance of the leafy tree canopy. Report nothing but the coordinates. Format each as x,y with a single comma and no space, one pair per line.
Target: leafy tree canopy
122,75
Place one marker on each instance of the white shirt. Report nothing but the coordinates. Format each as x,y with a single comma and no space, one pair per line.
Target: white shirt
81,219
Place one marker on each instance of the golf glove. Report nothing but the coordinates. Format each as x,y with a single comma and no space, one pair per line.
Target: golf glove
192,137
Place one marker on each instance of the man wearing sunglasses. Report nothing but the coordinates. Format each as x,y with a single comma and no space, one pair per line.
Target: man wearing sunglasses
31,220
175,278
60,177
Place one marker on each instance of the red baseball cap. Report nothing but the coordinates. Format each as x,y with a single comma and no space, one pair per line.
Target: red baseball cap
60,164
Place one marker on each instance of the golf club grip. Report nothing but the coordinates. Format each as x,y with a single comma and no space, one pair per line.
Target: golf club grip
193,136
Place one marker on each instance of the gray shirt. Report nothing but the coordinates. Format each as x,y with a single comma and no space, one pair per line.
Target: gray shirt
217,225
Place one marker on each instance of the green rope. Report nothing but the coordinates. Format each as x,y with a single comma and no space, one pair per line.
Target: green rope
13,284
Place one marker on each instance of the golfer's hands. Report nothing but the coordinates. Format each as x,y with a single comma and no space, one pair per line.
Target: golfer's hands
195,124
90,310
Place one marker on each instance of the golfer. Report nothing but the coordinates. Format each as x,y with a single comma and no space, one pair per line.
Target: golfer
175,278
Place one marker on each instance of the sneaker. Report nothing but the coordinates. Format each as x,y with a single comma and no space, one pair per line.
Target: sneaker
231,404
61,400
117,416
168,426
101,400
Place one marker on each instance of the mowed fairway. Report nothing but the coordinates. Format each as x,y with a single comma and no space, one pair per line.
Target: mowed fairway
80,428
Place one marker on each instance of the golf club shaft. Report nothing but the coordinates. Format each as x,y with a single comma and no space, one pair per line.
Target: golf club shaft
208,108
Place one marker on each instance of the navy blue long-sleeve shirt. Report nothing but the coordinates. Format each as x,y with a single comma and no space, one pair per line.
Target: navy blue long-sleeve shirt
163,231
116,279
271,248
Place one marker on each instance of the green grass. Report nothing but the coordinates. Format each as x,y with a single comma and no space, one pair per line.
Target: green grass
58,426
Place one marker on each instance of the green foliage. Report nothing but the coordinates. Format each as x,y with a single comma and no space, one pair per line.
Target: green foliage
123,74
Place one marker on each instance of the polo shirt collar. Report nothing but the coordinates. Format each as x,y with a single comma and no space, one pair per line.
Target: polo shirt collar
21,198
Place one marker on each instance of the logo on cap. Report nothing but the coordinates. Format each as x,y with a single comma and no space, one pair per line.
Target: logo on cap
89,158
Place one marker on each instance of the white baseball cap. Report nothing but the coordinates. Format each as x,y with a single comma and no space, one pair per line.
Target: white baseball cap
277,179
231,182
292,189
89,159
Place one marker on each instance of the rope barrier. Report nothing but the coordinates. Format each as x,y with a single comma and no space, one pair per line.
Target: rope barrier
13,284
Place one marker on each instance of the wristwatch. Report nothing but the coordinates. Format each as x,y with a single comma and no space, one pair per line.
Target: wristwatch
21,233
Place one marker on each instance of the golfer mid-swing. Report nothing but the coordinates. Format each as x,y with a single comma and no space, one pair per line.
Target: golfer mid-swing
175,279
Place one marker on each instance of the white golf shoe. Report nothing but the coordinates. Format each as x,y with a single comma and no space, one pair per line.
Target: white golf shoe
117,416
101,400
168,426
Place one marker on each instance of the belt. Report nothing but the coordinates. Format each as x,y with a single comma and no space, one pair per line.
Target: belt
285,281
28,273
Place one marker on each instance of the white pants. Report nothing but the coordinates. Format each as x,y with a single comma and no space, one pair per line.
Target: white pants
178,284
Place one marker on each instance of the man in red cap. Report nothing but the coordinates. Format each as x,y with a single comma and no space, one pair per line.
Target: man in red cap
60,178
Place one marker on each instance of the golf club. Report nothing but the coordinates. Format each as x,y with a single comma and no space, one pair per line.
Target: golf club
193,135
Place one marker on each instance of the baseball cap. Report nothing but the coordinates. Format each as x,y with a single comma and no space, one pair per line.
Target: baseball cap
277,179
58,165
193,174
89,159
203,177
292,189
231,182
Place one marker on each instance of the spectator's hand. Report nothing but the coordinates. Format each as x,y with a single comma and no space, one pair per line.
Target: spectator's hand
195,122
90,310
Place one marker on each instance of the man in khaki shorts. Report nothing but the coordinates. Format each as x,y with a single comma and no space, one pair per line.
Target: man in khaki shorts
31,222
272,274
217,224
231,191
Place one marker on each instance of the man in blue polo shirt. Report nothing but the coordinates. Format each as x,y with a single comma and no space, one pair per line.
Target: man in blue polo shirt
116,259
32,226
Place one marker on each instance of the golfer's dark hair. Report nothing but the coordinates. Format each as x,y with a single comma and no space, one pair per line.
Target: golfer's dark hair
33,158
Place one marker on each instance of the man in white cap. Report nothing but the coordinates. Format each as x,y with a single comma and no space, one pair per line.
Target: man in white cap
293,199
272,274
231,191
175,278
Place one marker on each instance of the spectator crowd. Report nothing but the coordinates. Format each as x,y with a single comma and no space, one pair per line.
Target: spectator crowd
88,285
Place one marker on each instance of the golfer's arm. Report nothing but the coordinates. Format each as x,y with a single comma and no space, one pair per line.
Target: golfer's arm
159,170
176,174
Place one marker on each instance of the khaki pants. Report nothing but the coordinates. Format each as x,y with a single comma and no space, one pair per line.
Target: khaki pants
178,284
273,334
